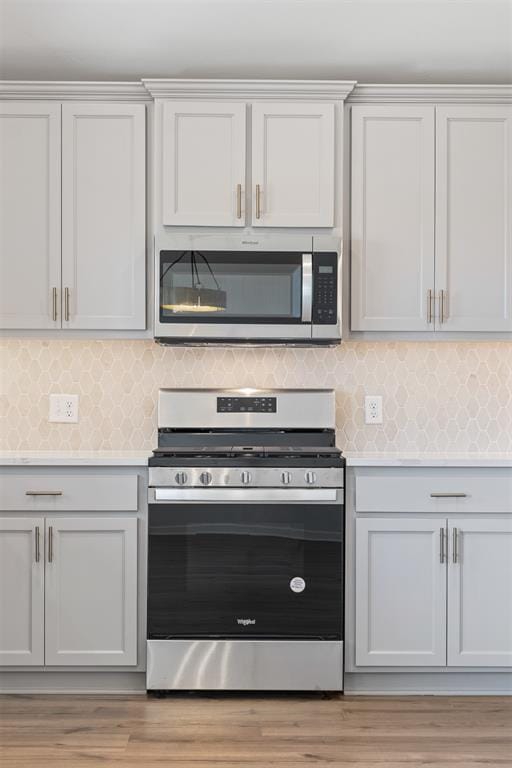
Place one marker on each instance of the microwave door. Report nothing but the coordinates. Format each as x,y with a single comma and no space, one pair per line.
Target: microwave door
262,295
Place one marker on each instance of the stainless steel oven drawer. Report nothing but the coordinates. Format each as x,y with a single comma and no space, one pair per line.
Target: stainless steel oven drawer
245,665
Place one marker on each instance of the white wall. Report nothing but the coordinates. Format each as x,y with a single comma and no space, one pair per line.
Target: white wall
424,41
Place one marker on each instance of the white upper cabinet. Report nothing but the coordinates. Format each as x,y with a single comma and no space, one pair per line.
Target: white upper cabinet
480,593
91,591
204,163
103,216
392,229
292,165
21,591
404,231
30,245
474,217
400,592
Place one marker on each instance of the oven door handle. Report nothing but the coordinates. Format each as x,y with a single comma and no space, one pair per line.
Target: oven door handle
247,495
307,287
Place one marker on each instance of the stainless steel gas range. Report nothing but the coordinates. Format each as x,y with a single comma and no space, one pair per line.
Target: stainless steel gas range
246,542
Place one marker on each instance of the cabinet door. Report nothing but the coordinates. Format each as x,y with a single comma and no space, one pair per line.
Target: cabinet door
29,214
400,592
292,165
103,216
392,230
203,163
474,217
21,591
480,593
91,591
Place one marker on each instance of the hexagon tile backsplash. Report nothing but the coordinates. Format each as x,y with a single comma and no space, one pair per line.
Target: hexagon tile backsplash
436,396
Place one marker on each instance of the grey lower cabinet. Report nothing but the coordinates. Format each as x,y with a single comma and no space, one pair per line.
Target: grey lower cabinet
400,593
21,591
68,590
433,585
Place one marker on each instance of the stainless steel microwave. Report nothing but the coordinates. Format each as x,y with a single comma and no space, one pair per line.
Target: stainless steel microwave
248,290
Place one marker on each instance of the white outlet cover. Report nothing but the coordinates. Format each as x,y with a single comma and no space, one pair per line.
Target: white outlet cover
63,409
373,409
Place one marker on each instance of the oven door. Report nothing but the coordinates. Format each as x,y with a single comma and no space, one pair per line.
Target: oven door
248,565
233,295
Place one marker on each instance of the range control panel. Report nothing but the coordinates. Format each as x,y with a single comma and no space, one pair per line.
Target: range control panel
325,288
247,405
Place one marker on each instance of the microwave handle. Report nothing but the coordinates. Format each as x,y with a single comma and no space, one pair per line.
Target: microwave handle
307,287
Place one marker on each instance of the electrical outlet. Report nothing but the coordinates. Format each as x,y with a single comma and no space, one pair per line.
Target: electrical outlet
373,409
63,408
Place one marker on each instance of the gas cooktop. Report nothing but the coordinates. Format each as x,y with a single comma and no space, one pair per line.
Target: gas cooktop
200,443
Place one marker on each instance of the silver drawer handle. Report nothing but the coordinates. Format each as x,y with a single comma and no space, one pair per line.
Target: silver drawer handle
43,493
448,495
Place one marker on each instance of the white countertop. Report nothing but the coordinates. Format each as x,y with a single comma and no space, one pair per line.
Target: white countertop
354,459
75,458
422,459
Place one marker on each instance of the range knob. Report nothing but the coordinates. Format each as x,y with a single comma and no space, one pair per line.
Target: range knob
246,478
286,478
310,478
181,478
205,478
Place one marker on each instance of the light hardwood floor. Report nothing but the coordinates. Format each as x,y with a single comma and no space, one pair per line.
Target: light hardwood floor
255,732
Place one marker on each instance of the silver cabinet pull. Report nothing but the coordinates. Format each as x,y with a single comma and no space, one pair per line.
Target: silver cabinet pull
258,201
442,545
455,545
66,304
443,314
54,304
239,201
38,554
43,493
448,495
50,544
429,306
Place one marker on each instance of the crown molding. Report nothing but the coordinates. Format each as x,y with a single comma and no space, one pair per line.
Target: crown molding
455,94
69,90
243,90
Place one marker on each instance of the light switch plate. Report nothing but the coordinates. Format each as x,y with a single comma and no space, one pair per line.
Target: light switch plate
63,408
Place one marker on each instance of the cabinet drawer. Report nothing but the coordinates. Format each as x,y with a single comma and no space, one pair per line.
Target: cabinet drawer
463,490
81,493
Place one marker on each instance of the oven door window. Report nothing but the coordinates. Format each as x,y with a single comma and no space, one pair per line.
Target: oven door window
230,287
245,571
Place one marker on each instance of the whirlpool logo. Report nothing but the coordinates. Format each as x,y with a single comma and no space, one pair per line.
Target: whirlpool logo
246,622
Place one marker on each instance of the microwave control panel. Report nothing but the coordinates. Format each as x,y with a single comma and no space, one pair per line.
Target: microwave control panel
325,288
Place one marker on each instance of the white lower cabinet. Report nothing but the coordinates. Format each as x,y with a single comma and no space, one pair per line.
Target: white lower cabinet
91,591
400,593
21,591
480,593
433,592
68,591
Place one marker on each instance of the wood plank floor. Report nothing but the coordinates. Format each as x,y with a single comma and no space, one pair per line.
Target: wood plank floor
255,732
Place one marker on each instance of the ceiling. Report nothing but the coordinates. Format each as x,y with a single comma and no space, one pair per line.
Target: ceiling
372,41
